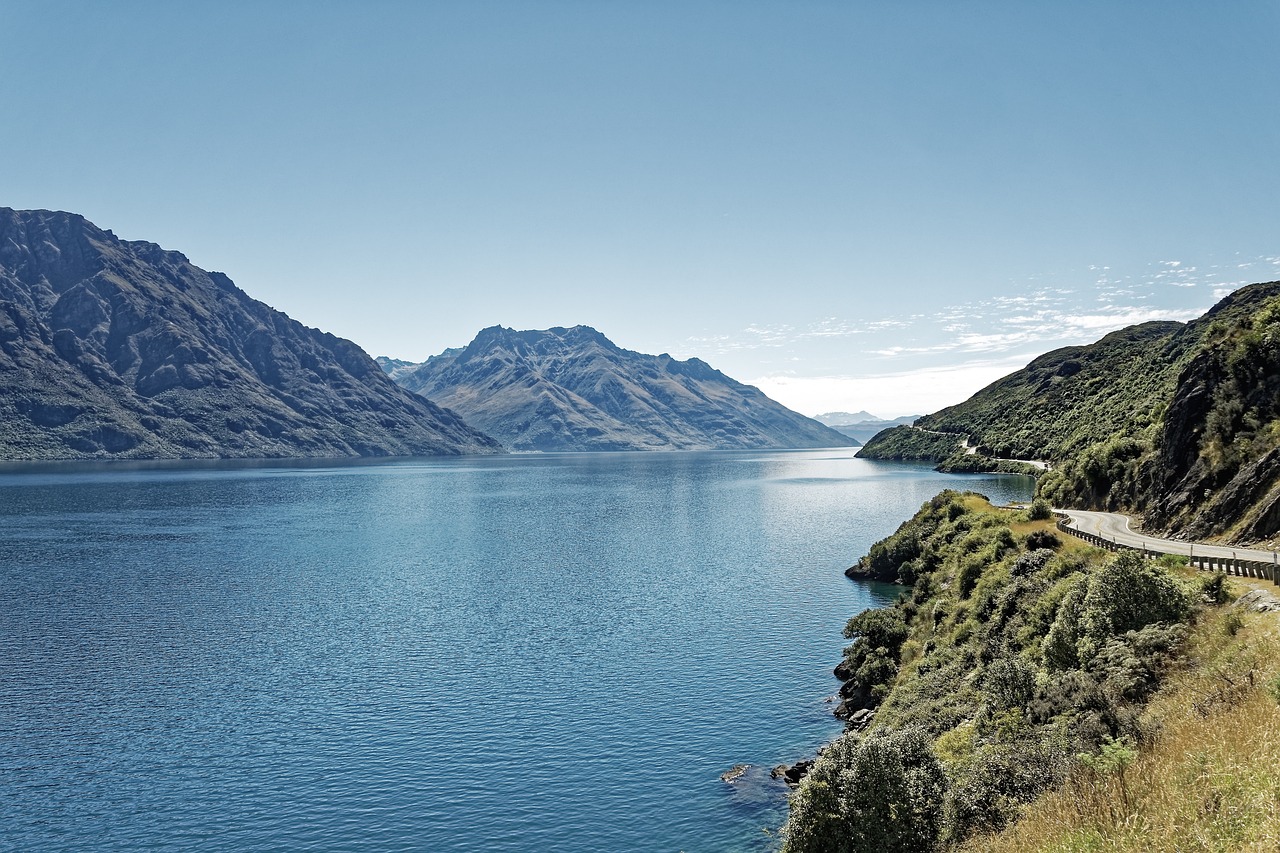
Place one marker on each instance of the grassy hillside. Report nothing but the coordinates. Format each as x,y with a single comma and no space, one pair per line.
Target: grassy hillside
1017,662
1206,779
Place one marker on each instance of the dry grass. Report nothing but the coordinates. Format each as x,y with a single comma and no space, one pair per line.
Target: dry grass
1209,781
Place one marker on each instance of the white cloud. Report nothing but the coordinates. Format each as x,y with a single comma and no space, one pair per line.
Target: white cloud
888,395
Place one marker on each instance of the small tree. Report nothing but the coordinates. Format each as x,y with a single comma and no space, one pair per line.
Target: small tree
876,794
1040,510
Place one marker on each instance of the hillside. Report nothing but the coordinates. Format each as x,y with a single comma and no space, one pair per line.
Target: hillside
1020,662
1177,421
120,349
574,389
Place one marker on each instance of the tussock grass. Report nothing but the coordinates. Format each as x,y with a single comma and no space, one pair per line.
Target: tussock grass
1208,780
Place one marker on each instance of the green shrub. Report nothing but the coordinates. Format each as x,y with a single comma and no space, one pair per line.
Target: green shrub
1060,644
988,789
1040,510
1214,588
1037,539
1032,561
1010,683
1232,623
1127,594
878,626
875,794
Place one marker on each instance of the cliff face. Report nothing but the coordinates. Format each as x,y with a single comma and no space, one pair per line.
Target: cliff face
111,348
1215,465
573,389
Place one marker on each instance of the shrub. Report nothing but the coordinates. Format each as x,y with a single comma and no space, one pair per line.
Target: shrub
1127,594
988,790
1010,683
1034,560
880,793
1041,510
1214,588
1037,539
879,626
1060,644
1232,623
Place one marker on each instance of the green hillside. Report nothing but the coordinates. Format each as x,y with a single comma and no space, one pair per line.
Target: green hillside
1179,421
1017,658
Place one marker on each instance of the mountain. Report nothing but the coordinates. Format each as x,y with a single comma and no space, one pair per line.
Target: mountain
864,430
1180,422
835,419
119,349
573,389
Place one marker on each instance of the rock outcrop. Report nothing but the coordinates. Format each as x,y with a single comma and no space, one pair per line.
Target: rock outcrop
574,389
120,349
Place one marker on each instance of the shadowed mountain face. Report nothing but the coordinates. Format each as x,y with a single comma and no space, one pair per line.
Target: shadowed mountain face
573,389
117,349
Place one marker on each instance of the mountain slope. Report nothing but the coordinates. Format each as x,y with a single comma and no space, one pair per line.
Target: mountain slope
1178,421
112,348
573,389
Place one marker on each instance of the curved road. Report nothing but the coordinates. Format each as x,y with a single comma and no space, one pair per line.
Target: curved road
1115,527
972,450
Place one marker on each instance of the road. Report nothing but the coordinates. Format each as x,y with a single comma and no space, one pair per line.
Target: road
1115,527
972,449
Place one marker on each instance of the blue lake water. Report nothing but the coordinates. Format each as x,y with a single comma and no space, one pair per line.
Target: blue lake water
526,653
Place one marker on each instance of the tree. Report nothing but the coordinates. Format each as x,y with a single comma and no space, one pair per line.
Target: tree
876,794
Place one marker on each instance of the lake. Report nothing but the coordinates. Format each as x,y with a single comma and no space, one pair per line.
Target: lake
520,653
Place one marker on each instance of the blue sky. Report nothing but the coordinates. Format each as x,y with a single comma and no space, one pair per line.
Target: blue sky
853,205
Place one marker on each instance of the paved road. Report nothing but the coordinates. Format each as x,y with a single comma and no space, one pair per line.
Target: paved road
1115,527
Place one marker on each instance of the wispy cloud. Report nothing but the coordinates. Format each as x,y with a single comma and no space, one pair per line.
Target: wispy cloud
922,361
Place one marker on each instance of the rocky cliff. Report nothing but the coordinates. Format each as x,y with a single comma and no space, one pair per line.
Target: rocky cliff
574,389
119,349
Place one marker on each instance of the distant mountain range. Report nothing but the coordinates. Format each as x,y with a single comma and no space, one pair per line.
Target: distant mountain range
1180,422
861,426
574,389
119,349
834,419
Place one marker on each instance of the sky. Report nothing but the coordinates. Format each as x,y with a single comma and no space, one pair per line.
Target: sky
879,206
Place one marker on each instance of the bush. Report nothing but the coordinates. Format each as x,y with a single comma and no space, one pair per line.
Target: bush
1038,539
880,793
1034,560
872,660
1041,510
1060,644
1010,683
1232,623
1214,588
1127,594
990,787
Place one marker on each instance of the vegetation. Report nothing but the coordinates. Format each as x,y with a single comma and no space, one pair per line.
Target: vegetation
1204,780
1017,662
1066,400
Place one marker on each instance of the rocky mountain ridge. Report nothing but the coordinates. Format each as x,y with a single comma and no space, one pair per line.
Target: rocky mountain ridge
574,389
121,349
